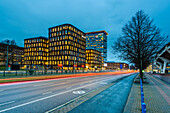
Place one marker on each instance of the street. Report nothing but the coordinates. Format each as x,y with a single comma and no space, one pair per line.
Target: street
37,97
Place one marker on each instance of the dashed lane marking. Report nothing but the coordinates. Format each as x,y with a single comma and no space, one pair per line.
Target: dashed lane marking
7,103
46,93
27,103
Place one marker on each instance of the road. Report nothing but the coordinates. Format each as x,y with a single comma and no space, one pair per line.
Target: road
111,100
41,96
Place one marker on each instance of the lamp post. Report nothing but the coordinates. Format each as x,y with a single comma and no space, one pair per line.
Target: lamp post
7,58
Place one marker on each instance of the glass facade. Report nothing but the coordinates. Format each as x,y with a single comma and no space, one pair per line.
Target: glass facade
67,45
98,41
93,59
36,52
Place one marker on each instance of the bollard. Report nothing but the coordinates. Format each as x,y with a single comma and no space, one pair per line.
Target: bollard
143,108
141,89
142,97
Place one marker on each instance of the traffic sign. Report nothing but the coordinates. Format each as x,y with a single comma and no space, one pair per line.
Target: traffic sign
121,66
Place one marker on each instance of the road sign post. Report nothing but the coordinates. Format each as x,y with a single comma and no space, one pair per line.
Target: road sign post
121,66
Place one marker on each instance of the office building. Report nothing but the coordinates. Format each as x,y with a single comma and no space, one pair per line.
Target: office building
93,59
15,56
116,65
67,45
36,52
98,40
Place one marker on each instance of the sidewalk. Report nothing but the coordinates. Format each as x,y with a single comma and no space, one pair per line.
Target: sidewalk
164,77
156,96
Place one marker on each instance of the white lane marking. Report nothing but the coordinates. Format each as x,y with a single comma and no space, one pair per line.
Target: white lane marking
48,97
7,103
103,83
41,85
79,92
46,93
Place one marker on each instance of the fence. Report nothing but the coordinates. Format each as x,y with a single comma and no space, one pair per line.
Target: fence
33,72
143,105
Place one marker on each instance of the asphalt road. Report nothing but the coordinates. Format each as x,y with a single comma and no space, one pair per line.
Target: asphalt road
41,96
111,100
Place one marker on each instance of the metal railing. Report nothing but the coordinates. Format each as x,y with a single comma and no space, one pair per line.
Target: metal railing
34,72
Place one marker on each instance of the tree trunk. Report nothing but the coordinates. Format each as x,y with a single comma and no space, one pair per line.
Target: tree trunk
141,74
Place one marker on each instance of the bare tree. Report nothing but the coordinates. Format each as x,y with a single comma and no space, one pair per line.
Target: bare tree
140,41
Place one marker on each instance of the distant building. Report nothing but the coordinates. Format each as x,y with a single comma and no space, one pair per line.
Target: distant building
152,68
36,52
116,65
98,40
93,59
163,59
15,56
67,47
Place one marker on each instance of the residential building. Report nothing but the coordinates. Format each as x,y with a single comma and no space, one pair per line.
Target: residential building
36,52
67,47
98,40
93,59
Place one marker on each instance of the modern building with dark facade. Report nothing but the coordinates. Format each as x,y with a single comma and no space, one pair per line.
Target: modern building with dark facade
162,59
15,56
98,40
116,65
93,59
36,52
67,47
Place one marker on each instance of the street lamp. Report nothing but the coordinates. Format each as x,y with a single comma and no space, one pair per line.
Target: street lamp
7,58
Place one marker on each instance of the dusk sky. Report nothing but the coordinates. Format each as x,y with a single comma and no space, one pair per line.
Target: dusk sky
20,19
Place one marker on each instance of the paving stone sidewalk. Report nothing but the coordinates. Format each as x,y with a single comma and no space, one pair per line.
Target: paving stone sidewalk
155,96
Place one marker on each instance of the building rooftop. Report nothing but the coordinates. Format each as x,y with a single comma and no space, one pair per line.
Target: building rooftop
103,31
66,24
36,38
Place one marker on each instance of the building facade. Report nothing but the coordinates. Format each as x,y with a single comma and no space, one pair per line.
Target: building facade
36,52
67,47
15,56
116,65
162,59
93,59
98,40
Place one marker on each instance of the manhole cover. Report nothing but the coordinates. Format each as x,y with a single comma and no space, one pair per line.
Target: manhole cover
79,92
